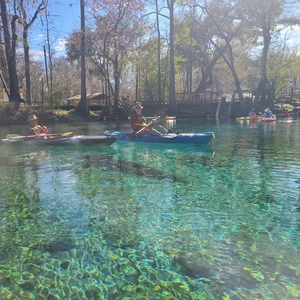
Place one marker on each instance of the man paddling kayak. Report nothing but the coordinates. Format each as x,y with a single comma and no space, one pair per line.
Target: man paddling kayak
139,123
137,120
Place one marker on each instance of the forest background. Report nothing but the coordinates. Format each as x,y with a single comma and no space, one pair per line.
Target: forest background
150,51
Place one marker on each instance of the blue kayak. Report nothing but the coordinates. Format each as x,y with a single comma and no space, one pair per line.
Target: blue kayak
170,138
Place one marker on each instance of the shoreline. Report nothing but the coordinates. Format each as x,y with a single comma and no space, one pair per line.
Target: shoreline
9,116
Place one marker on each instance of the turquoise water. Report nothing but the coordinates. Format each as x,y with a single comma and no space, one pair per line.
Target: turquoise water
144,221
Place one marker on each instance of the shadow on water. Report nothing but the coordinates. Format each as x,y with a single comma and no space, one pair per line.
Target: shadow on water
111,158
154,221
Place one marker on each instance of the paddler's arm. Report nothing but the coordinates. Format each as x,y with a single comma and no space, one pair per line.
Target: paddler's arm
139,126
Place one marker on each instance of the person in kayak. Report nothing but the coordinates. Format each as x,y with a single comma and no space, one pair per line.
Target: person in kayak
137,120
268,113
252,114
34,128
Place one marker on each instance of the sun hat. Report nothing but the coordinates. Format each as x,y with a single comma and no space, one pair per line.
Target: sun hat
267,110
137,104
31,118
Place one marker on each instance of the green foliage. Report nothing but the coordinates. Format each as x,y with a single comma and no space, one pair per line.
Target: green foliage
295,102
149,70
282,68
58,98
114,33
9,114
73,43
202,31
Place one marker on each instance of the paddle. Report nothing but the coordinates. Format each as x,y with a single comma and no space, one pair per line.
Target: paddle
134,134
15,137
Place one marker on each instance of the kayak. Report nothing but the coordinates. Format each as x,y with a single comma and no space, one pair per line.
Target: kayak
287,114
64,141
271,119
166,117
248,118
170,138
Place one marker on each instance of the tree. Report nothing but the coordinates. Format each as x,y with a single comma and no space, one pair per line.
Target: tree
172,103
227,28
282,70
158,54
269,17
117,31
109,41
119,25
232,26
48,62
66,79
37,72
198,42
83,108
10,40
149,73
26,24
3,66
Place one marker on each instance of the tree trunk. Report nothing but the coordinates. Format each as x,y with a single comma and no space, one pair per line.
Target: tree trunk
82,108
50,86
158,56
26,26
10,52
172,103
27,66
208,71
236,80
261,99
206,74
116,75
3,66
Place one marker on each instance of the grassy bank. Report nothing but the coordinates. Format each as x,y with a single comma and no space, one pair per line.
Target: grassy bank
9,115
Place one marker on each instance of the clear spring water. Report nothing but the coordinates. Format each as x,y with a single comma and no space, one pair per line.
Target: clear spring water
145,221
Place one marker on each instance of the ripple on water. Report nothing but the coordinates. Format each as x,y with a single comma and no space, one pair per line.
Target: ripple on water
155,222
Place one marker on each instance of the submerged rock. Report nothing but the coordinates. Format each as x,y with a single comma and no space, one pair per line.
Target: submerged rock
192,265
55,246
65,265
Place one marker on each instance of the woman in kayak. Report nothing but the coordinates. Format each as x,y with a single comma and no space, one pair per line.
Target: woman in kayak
252,114
34,128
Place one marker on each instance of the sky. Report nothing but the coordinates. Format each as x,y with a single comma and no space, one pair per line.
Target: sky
66,17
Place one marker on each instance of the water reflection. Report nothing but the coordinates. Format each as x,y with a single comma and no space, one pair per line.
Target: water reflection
154,221
171,124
